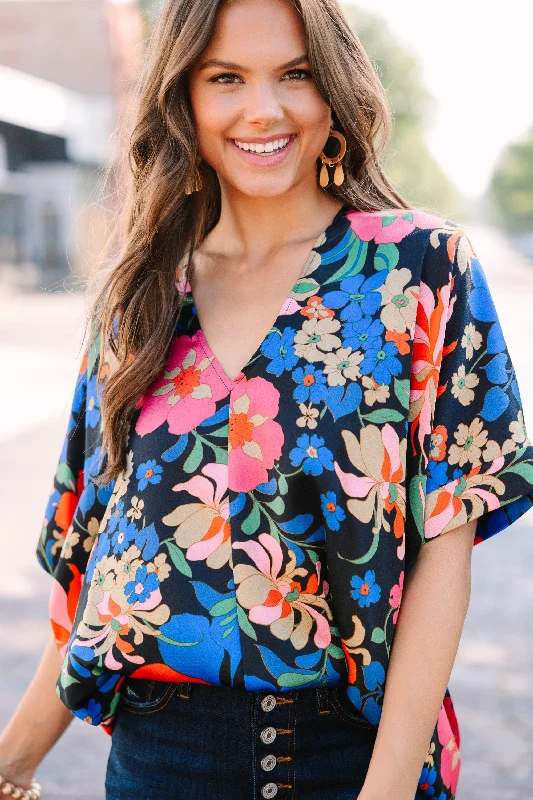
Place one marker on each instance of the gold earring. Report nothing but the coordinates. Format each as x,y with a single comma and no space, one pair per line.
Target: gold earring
196,184
338,176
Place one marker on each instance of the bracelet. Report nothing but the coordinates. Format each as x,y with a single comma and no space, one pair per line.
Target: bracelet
9,789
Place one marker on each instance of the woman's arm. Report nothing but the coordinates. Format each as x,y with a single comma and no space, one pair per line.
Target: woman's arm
428,630
37,724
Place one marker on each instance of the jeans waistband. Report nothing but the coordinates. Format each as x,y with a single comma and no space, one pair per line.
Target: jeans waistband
322,695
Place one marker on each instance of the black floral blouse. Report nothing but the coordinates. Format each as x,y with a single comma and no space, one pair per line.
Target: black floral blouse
261,533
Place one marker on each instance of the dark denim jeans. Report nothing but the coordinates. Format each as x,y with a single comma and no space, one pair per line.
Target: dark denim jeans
178,741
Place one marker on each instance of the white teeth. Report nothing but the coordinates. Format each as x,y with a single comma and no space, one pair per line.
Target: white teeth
269,147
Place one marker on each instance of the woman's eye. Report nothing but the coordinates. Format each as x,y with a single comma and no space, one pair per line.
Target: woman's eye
228,77
298,73
216,78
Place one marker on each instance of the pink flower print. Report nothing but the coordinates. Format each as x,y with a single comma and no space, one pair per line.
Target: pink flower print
255,439
385,227
185,394
203,528
450,756
395,597
272,593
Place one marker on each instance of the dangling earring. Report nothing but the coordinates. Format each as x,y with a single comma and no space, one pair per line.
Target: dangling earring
196,184
338,176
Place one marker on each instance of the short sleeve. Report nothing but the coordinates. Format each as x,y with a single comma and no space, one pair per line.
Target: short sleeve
468,453
76,504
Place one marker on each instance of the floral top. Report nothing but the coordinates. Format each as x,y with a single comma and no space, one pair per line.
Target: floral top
260,535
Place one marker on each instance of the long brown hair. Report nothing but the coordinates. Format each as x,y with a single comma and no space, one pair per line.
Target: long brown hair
137,305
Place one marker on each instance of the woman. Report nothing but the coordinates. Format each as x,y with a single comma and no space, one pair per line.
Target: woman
304,381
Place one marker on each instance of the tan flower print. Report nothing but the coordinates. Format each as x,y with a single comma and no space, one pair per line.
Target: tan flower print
494,450
518,429
71,540
463,385
126,567
159,566
342,365
309,416
136,510
399,304
315,309
470,441
317,337
439,437
375,392
471,340
93,526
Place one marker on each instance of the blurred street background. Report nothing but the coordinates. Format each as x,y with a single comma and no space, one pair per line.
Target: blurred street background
458,83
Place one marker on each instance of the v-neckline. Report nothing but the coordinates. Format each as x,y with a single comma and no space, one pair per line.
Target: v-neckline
321,239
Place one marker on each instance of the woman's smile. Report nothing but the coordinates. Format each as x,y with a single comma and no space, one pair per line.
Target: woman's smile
264,152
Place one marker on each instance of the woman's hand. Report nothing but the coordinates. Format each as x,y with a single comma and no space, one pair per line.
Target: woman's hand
37,723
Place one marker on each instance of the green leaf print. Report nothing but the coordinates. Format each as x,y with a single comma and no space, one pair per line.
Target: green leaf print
525,471
251,523
193,461
223,606
66,477
378,635
294,679
277,505
381,415
386,257
354,263
401,390
415,501
244,624
335,652
178,559
283,486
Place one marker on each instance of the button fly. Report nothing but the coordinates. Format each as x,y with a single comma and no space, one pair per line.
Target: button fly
269,790
267,736
268,762
268,702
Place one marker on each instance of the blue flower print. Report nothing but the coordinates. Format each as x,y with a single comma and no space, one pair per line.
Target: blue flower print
427,780
149,472
365,591
437,475
356,296
311,384
100,550
333,514
280,348
311,453
382,363
122,538
365,334
92,415
144,583
116,516
92,714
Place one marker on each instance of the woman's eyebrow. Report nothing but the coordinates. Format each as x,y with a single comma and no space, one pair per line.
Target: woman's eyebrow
215,62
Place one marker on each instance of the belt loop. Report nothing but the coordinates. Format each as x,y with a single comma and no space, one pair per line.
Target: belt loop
322,700
185,690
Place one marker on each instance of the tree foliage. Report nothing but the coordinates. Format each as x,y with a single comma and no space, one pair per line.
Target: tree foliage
511,187
407,159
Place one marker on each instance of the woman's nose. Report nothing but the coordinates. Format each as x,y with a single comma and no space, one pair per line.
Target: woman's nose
262,105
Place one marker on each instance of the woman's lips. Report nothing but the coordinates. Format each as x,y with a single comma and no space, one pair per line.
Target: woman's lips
265,160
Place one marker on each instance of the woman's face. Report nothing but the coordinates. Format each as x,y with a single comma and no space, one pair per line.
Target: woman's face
259,95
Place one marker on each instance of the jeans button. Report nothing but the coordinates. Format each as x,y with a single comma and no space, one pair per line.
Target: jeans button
268,702
268,735
269,790
268,762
